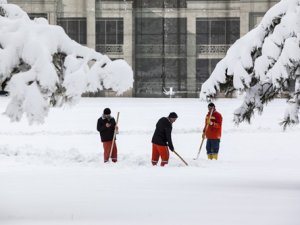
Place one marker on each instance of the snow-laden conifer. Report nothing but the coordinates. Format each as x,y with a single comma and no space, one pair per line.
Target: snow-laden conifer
262,63
40,66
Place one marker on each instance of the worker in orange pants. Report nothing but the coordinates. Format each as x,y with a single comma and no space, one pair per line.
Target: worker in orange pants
162,139
160,151
107,147
106,126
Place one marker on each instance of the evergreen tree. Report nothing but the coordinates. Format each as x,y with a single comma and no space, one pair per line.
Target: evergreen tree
262,63
41,66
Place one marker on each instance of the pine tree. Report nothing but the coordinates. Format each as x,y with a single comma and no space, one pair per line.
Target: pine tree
41,67
263,63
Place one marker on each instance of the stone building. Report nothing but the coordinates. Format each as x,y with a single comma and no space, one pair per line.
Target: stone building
168,43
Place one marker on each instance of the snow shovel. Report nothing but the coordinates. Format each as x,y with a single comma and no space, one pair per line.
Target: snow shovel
114,137
181,158
208,122
198,154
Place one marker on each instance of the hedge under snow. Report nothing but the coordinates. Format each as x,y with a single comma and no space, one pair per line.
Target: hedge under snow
263,63
40,66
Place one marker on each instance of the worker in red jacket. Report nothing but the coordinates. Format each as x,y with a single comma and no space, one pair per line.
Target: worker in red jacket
212,131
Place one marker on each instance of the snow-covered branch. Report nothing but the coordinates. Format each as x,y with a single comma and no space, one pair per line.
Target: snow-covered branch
262,62
41,66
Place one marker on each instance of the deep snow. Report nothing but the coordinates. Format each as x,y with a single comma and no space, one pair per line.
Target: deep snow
54,174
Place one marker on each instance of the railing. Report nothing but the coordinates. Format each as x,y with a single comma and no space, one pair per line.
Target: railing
167,49
212,49
33,1
110,49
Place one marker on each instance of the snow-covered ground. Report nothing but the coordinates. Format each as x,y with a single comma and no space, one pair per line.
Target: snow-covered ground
54,173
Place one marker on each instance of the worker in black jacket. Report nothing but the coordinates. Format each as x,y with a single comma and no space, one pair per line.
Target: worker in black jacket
106,125
162,139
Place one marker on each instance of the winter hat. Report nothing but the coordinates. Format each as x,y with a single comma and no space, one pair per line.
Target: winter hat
173,115
106,111
211,105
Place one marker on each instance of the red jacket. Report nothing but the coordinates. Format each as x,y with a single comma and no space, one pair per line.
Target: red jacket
213,131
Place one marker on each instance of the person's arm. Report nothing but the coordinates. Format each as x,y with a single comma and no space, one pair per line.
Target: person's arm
205,124
112,123
168,131
217,123
100,125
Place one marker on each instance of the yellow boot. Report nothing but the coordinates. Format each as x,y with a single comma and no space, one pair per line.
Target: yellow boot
215,156
210,156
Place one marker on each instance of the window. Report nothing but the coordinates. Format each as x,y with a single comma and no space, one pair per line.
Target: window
76,28
176,73
175,31
149,31
215,31
154,74
109,31
161,31
160,3
204,67
254,19
232,31
202,28
109,35
160,53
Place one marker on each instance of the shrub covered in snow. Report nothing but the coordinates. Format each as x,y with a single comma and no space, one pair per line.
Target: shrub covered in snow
262,63
41,66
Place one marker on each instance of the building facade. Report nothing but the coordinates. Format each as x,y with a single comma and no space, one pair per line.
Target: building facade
169,43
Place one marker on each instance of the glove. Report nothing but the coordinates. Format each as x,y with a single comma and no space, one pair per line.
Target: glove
171,148
203,135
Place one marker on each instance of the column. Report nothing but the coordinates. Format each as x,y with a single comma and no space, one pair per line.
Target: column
191,55
128,35
52,18
91,23
128,38
244,18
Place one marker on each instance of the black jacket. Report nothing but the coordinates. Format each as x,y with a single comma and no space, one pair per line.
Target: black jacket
106,133
162,133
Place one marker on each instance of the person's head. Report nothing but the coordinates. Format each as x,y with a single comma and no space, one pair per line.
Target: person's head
172,117
106,113
211,107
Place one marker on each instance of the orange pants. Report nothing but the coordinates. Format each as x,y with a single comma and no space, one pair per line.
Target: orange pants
160,151
107,147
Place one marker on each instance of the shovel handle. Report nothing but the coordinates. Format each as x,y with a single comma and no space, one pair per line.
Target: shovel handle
181,158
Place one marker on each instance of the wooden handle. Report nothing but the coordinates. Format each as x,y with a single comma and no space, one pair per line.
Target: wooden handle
114,137
181,158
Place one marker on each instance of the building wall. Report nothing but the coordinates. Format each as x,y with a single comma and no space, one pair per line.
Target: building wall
181,58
